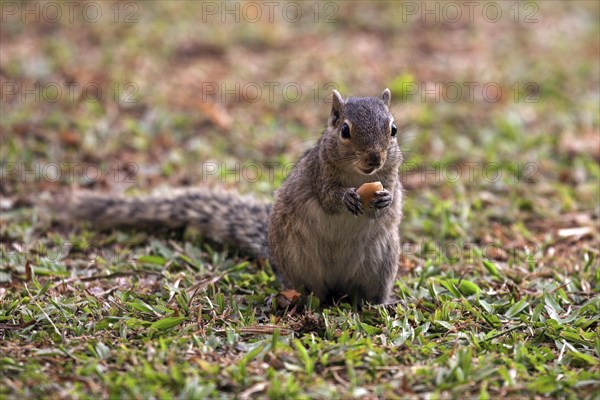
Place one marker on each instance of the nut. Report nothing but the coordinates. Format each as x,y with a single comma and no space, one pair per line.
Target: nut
367,190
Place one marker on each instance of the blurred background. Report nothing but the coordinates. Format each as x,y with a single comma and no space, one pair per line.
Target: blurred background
497,104
132,96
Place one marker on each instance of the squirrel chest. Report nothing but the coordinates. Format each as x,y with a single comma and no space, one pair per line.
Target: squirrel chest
345,245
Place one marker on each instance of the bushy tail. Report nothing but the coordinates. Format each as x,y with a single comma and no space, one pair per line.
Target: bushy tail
221,216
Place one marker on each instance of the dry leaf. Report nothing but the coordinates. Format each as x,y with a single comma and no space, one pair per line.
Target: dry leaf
287,298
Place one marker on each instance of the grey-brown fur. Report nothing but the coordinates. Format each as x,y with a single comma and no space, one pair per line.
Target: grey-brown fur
221,216
320,237
317,235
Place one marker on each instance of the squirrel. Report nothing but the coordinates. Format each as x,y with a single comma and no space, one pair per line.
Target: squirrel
317,235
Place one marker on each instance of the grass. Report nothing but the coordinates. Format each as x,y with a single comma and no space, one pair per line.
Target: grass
498,290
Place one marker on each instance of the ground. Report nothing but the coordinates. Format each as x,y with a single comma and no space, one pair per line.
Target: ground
498,288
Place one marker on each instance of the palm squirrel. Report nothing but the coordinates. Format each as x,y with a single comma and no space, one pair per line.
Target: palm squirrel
317,235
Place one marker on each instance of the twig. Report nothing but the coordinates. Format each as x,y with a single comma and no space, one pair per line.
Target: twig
202,285
265,329
17,326
109,276
259,387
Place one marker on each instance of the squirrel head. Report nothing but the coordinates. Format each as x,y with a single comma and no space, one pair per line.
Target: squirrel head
361,134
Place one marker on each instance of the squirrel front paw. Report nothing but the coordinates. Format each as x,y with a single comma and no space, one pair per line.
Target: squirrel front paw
382,199
353,202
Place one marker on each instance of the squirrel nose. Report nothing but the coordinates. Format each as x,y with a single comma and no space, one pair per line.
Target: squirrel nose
374,159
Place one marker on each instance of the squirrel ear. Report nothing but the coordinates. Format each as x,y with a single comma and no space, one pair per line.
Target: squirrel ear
386,96
337,107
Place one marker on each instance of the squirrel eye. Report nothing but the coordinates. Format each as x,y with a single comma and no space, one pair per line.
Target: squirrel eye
394,130
345,131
